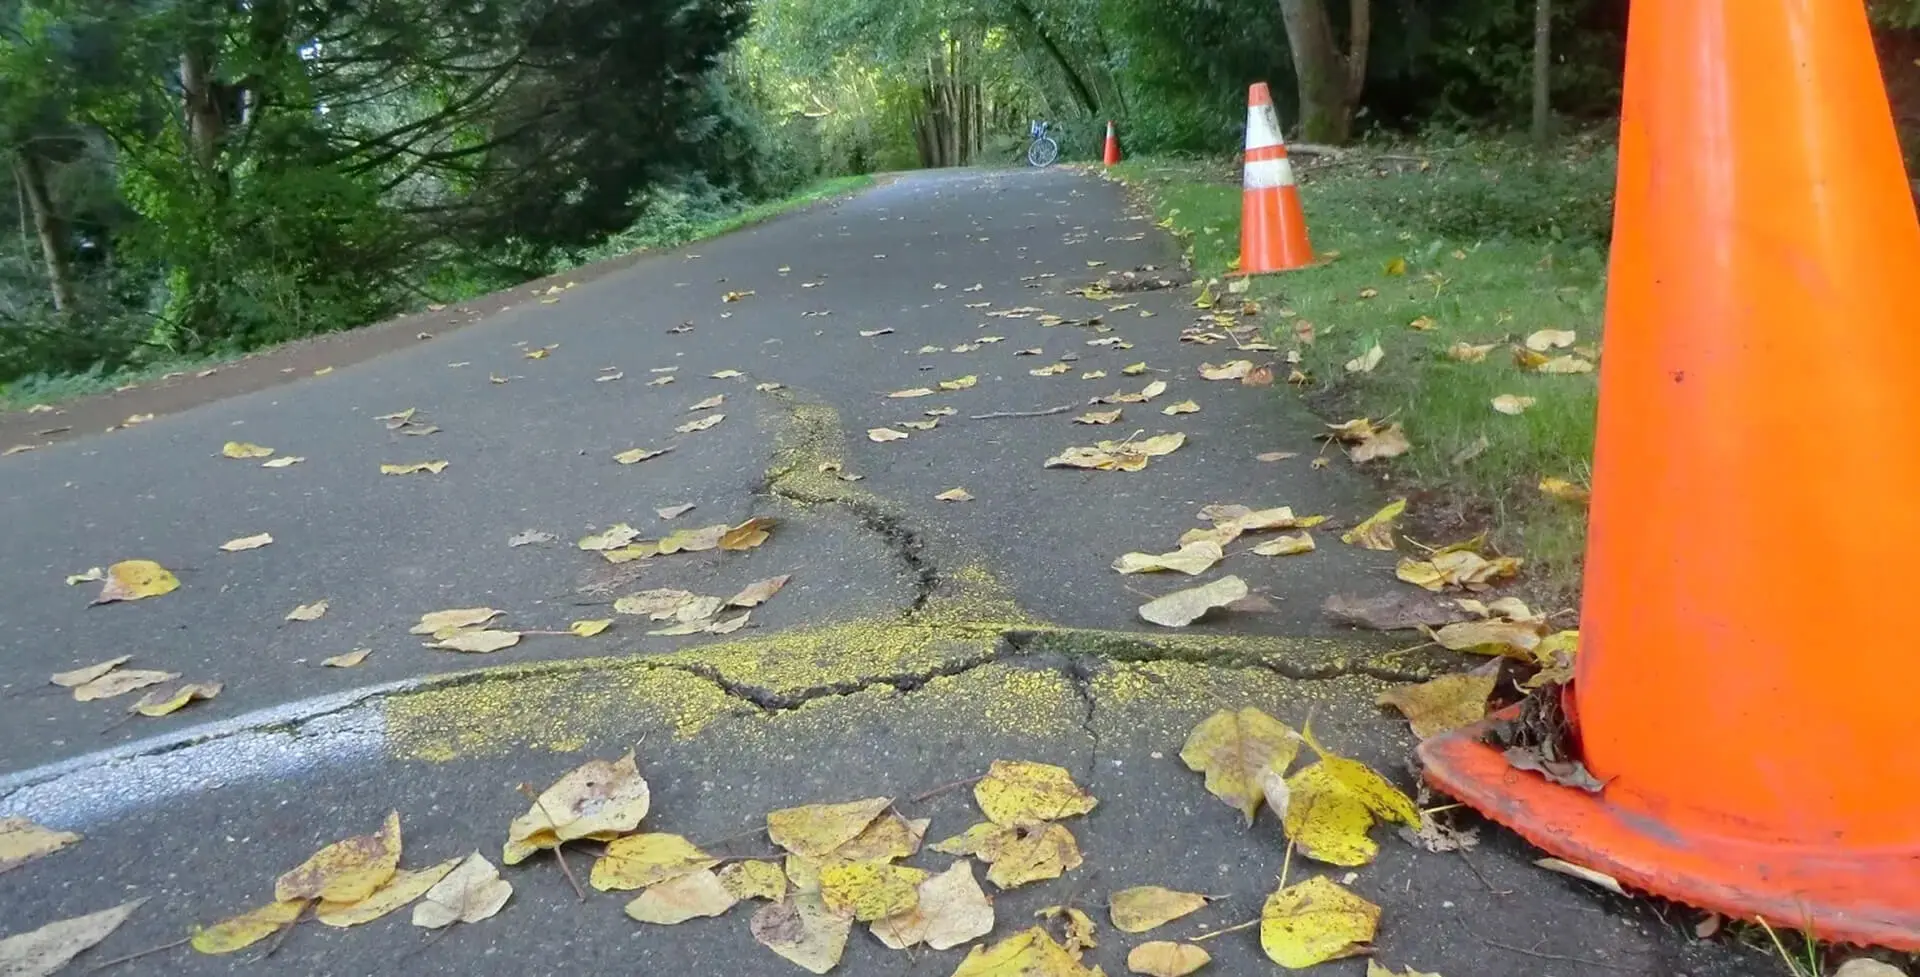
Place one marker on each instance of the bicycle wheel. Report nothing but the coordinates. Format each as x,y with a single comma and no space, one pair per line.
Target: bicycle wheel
1043,152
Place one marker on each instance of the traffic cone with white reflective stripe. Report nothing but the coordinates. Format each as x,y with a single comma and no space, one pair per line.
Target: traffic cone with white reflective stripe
1273,228
1112,154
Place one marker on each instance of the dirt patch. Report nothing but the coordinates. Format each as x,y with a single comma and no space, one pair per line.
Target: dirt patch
278,365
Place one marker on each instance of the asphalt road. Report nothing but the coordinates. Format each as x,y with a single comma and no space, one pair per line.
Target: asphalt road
917,640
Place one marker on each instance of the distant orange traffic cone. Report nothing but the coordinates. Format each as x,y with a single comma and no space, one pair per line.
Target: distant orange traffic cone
1753,518
1113,145
1273,228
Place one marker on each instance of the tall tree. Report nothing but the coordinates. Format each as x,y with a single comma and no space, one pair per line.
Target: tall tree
1542,71
1330,80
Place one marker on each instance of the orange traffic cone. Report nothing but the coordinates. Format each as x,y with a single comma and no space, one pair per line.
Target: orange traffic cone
1753,520
1273,229
1113,145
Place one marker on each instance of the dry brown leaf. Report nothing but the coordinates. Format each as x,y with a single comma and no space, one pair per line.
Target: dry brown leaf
1367,361
1233,370
22,841
955,495
1445,703
243,449
921,425
634,456
1469,353
480,642
1125,456
658,604
247,543
1512,405
414,468
691,896
308,612
1235,750
1098,417
1388,442
1145,907
1183,607
1049,371
1192,559
885,434
1163,959
691,540
1461,568
747,535
758,592
701,424
473,891
1550,339
1376,531
172,698
1286,545
1583,873
461,617
1183,407
43,951
120,682
351,659
674,511
81,676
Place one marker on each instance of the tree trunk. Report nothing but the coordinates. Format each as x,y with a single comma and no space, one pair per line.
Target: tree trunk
1330,82
1076,83
1542,67
200,104
31,171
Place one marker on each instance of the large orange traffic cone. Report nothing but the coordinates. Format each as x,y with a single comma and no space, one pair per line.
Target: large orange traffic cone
1743,688
1112,155
1273,228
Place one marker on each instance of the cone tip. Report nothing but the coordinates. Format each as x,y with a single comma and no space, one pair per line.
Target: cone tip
1257,94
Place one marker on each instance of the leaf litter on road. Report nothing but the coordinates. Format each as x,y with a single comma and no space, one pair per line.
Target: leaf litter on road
1146,907
1376,531
43,951
23,841
240,450
351,659
1163,959
471,892
136,580
414,468
1125,456
120,682
702,424
172,698
1235,750
245,543
1192,559
308,612
634,456
1316,921
87,673
1334,802
1183,607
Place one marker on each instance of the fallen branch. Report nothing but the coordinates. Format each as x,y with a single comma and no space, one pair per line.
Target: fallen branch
1062,409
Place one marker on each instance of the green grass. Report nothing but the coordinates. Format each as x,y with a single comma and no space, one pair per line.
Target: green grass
1484,288
768,210
56,388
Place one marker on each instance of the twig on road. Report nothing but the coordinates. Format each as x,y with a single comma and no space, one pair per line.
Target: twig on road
943,788
137,954
558,855
1062,409
1541,955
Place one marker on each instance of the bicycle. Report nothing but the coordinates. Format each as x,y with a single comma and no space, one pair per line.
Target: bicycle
1042,150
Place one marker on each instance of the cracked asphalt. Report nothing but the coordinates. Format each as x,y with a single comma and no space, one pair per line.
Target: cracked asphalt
917,641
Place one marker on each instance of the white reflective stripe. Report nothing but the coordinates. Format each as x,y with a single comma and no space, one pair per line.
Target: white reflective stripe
1263,127
1265,174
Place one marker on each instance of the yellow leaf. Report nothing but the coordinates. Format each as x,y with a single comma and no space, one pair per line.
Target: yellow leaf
587,629
248,928
243,449
747,535
1126,456
803,931
1547,339
600,799
658,604
1510,638
414,468
462,617
1286,546
1033,853
921,425
1235,370
985,840
754,880
1163,959
959,383
81,676
346,871
815,830
1234,749
1423,323
1445,703
1555,656
1565,364
1192,559
634,456
1315,921
758,592
952,910
736,296
120,682
1094,375
1142,908
481,642
1134,369
1183,407
1021,792
1565,491
473,891
1397,267
870,890
348,660
1376,532
1183,607
690,896
913,392
1367,361
701,424
308,612
692,540
638,861
1079,928
1098,417
1050,371
1334,802
405,886
709,403
537,354
1374,969
1029,954
885,434
22,841
1468,352
173,698
1512,405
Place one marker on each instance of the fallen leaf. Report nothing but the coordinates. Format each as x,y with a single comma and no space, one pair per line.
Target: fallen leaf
1565,364
248,928
610,376
1512,639
885,434
477,642
41,952
1030,954
173,698
758,592
1234,370
81,676
959,383
1461,568
22,841
1077,927
537,354
1098,417
1581,872
1016,792
1469,353
634,456
1547,339
1286,546
890,836
473,891
133,419
243,449
1276,455
1183,607
92,575
736,296
747,535
1367,361
870,890
587,629
1565,491
346,871
1333,805
1033,853
1445,703
1142,908
755,880
952,910
414,468
1260,377
1857,967
691,896
955,495
638,861
1234,750
803,931
815,830
246,543
870,333
660,381
1376,969
911,392
1192,559
348,660
529,537
1512,405
768,387
458,618
1163,959
308,612
120,682
405,886
1316,921
701,424
1050,371
1183,407
1387,442
674,511
1376,531
921,425
1094,375
1126,456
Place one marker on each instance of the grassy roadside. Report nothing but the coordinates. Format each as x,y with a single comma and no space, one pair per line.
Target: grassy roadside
56,389
1476,244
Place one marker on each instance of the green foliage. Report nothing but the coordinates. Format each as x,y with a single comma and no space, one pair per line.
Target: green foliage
1481,189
